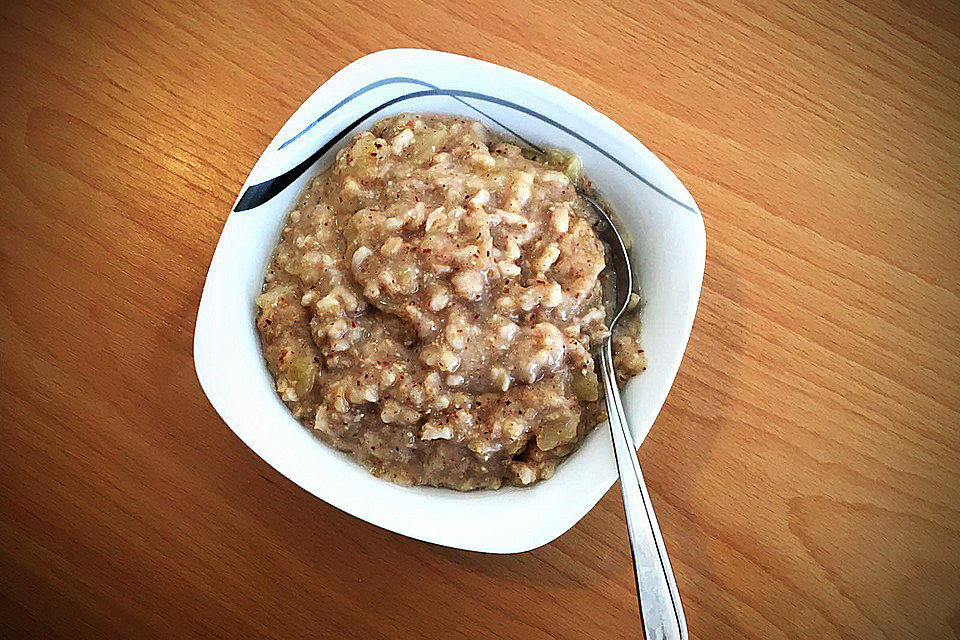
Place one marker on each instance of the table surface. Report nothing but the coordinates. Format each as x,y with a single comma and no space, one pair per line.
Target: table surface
805,468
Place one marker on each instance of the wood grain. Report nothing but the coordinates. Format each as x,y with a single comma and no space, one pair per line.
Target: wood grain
806,467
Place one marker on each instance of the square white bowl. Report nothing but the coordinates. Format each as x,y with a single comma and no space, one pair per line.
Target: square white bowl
654,208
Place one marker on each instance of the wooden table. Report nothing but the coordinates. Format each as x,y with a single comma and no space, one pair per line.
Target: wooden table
806,467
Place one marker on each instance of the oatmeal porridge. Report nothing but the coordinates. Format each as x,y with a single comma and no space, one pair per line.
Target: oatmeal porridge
432,305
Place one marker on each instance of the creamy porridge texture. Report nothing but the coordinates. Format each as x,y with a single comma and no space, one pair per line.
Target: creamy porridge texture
432,305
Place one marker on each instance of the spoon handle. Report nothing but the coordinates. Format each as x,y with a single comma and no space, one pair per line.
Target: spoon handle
660,610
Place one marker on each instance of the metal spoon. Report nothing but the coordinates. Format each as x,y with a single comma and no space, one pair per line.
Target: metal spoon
660,610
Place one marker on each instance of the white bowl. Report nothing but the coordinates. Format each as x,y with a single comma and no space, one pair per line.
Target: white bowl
655,209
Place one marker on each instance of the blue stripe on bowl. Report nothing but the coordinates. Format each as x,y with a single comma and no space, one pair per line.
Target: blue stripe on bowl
396,80
258,194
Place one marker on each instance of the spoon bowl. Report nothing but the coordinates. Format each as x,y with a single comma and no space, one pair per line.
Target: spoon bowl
660,610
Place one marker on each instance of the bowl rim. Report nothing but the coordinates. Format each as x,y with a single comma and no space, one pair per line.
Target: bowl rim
292,130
